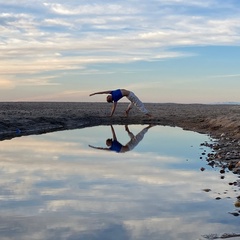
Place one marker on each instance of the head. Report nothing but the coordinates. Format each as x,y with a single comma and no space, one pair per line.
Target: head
109,142
109,98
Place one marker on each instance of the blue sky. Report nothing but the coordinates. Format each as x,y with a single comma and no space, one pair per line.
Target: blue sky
182,51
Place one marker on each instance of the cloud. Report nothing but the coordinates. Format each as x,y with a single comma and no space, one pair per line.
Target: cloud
38,81
226,76
6,84
90,9
54,37
68,95
57,22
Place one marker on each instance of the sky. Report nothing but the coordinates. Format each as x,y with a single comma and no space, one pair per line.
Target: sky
182,51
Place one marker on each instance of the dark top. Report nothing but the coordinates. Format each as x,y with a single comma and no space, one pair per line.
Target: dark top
116,146
116,95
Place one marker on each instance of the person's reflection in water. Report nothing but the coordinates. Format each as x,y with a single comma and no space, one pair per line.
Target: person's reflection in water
114,145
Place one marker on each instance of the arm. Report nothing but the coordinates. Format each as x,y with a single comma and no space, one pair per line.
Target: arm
99,148
113,133
113,108
103,92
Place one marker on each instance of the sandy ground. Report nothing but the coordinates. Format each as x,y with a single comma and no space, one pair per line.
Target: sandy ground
214,120
221,122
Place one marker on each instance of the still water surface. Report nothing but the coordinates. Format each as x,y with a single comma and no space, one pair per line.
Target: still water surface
62,186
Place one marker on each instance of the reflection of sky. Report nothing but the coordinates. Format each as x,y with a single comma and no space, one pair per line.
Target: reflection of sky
54,186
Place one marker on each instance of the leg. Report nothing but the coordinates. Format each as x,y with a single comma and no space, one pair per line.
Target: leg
137,139
129,108
130,134
136,101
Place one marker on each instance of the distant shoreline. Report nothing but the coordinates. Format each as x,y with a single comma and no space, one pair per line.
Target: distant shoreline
220,121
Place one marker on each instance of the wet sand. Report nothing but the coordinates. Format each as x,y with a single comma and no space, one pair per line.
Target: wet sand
221,122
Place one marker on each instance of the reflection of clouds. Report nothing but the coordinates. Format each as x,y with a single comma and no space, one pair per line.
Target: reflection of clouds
42,162
174,228
48,165
91,191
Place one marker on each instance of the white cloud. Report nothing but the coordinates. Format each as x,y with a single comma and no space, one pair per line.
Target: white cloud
187,3
60,22
38,81
68,95
225,76
92,9
6,84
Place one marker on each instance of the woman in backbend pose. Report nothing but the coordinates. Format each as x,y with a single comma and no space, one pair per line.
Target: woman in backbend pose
115,95
114,145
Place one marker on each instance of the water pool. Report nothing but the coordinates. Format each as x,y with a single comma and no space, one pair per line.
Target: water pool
63,185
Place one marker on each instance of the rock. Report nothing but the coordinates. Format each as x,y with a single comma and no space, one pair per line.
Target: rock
237,204
207,190
235,214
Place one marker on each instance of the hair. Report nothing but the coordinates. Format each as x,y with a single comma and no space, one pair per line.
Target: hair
108,100
109,140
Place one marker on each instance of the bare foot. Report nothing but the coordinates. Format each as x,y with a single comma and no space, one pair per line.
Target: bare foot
238,165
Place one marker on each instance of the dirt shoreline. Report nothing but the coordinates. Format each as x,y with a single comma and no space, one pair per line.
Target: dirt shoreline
221,122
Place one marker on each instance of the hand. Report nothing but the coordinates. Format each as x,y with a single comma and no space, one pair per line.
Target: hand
91,146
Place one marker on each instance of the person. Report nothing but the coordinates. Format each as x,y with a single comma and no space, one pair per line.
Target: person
115,95
114,145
